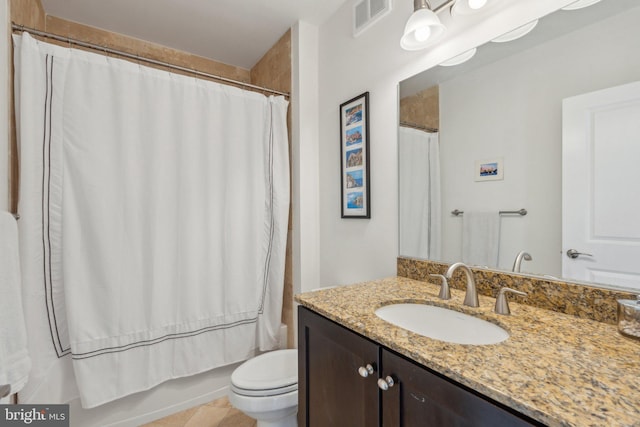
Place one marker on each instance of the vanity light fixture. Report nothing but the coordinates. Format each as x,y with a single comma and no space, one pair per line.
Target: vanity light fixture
422,28
459,59
580,4
517,33
467,7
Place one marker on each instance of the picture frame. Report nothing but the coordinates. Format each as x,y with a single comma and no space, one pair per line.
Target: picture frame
355,187
489,169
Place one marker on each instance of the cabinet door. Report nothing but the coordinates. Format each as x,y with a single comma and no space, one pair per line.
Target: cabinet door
331,392
420,397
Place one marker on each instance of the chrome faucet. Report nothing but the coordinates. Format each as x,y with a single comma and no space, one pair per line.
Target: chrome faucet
471,297
521,255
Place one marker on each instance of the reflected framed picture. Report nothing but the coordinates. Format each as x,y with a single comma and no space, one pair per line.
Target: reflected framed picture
489,170
354,158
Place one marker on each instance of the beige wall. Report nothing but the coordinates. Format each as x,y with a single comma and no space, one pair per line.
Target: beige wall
272,71
422,108
28,13
144,49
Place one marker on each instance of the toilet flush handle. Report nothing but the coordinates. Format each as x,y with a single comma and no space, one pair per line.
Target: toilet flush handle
365,371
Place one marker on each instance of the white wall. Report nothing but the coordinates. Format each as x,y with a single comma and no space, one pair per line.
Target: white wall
304,157
353,250
513,109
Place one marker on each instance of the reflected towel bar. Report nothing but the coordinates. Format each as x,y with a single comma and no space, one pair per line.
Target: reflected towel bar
522,212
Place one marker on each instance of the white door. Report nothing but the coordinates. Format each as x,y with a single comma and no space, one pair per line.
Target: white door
601,186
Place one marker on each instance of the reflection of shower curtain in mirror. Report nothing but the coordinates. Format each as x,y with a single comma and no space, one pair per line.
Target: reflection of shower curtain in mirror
419,194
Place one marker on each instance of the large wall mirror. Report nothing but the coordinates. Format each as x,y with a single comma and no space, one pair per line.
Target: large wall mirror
486,136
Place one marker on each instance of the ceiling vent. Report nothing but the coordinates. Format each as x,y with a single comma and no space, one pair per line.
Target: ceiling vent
368,12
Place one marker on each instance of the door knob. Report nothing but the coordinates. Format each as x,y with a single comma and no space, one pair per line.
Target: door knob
385,383
573,254
365,371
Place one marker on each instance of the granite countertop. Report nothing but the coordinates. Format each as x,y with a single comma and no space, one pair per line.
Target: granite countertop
556,368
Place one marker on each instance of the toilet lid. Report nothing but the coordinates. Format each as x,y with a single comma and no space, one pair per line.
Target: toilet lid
272,371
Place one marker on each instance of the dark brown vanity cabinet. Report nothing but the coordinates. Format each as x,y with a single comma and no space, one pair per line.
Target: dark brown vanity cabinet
419,397
331,391
335,388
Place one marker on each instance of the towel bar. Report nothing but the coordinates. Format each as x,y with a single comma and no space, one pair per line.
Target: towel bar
522,212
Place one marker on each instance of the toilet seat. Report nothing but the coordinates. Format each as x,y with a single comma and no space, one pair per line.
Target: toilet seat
266,392
269,374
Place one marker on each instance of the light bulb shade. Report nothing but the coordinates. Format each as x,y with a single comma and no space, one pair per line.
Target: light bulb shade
423,27
467,7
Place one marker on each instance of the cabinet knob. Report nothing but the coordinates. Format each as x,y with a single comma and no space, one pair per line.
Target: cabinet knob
385,383
365,371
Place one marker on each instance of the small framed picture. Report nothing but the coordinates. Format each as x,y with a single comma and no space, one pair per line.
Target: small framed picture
354,158
489,170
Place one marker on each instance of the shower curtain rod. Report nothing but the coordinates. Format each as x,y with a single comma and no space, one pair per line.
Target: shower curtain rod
419,127
105,49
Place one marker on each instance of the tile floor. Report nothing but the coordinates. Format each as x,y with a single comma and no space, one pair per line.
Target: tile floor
218,413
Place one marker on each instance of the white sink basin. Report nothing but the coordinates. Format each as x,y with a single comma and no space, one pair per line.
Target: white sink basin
442,324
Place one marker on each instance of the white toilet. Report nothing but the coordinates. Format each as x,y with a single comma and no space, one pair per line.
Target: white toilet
266,388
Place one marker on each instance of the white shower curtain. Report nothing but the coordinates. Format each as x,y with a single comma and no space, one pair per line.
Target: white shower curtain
154,213
419,194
